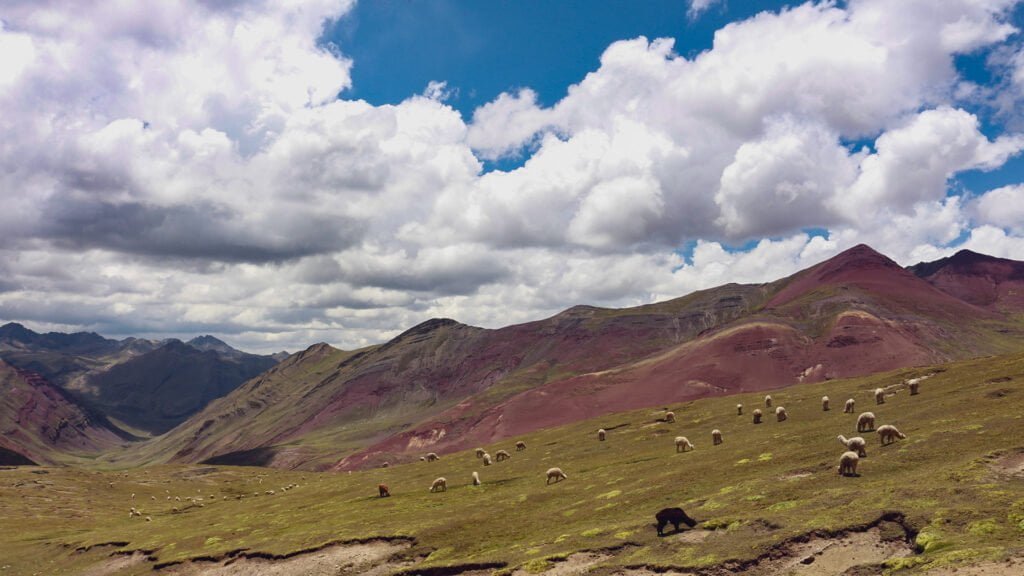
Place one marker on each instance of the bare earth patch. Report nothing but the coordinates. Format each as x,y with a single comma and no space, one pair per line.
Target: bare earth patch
115,564
580,563
827,556
364,558
1011,465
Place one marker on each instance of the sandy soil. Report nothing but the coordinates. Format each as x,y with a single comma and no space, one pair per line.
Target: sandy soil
115,564
1012,567
575,564
827,556
1012,464
369,558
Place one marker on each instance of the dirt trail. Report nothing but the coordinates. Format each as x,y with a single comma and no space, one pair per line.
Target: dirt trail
574,565
370,558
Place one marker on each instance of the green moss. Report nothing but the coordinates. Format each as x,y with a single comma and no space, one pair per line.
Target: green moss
983,527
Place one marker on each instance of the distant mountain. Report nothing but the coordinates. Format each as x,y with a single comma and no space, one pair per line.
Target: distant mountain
982,280
444,386
42,424
148,385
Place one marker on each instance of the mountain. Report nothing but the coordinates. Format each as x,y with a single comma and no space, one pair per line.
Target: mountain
148,386
158,390
995,283
41,423
444,386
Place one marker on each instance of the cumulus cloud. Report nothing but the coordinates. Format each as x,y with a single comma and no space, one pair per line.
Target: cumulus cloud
197,167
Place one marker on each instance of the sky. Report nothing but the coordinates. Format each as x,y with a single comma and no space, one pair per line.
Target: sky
280,173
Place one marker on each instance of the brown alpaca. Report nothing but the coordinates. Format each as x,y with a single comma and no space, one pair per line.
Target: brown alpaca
383,489
673,516
520,446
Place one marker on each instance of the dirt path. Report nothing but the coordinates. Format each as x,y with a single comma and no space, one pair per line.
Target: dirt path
371,558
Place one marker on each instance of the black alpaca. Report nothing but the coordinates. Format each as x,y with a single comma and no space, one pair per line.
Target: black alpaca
674,516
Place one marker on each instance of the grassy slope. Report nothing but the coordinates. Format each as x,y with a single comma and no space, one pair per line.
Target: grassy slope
777,473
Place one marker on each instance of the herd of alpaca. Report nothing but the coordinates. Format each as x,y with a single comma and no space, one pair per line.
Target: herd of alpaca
855,449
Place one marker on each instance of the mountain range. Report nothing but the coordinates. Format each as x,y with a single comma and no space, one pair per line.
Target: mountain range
443,386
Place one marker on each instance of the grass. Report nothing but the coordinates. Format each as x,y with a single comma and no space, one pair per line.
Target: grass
764,484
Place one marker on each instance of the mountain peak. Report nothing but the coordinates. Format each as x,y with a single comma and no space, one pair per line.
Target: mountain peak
208,342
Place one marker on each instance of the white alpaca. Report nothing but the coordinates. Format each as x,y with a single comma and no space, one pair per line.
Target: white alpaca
739,409
824,403
914,384
501,455
439,485
866,422
879,396
780,414
757,415
889,433
682,444
601,434
556,474
716,436
848,464
848,408
768,401
670,417
855,444
487,459
476,479
480,452
520,446
432,457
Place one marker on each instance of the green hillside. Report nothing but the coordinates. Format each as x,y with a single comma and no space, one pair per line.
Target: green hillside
954,488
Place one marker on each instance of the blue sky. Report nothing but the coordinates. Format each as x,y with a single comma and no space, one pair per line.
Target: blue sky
275,173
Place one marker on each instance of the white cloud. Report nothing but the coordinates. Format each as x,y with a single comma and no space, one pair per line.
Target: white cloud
188,167
698,7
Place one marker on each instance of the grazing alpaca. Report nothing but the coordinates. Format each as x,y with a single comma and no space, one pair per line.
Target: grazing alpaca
768,401
480,452
487,459
682,444
556,474
879,396
824,403
431,457
601,434
520,446
739,409
848,408
501,455
670,417
757,416
673,516
780,414
848,464
476,479
866,422
383,490
889,433
855,444
439,485
913,386
716,436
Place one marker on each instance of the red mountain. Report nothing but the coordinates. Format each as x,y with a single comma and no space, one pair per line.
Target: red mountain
995,283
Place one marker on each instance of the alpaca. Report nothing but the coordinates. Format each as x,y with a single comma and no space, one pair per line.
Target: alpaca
385,465
889,433
879,396
556,474
431,457
866,422
768,401
601,434
670,417
439,485
673,516
855,444
476,479
757,416
780,414
739,409
848,464
824,404
480,452
913,386
520,446
487,459
848,408
501,455
682,444
716,436
383,490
